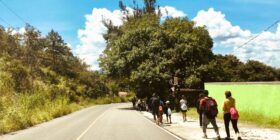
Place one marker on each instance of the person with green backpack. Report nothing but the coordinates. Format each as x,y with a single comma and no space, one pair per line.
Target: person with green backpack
230,114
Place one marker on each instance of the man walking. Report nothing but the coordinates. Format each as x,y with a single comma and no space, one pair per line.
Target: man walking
198,109
208,107
155,106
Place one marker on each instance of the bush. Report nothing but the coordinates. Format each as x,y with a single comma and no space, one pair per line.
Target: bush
6,83
193,82
25,110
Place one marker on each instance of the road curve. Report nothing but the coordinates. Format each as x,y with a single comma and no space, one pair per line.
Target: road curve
104,122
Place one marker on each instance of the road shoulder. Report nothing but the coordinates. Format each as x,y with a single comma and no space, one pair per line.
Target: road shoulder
191,130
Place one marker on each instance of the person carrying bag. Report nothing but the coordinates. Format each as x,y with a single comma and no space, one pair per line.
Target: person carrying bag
230,115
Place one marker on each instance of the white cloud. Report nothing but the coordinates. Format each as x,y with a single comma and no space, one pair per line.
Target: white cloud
20,31
91,38
168,11
264,48
278,30
219,27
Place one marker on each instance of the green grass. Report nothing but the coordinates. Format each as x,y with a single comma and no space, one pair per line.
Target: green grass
23,111
26,110
192,112
257,103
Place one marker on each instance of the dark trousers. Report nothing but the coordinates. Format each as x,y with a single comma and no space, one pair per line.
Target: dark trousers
200,118
233,122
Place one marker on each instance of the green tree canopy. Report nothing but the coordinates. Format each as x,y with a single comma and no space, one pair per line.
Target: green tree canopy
33,63
148,52
229,68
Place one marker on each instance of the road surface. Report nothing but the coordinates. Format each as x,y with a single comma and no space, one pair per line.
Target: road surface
104,122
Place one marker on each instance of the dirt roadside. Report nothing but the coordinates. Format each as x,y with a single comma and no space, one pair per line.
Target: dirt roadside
191,130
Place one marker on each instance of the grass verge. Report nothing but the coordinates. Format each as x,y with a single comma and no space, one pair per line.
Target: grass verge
24,111
247,118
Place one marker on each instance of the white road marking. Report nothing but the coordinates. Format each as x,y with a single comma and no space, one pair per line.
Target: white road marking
79,138
178,138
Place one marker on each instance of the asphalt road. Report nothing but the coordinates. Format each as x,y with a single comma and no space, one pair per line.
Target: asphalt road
104,122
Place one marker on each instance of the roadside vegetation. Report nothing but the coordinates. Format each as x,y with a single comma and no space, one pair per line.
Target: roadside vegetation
25,111
41,79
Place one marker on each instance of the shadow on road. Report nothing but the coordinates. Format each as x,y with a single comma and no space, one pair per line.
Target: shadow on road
126,108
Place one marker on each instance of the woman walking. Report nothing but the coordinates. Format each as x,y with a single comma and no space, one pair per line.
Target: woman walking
230,114
184,107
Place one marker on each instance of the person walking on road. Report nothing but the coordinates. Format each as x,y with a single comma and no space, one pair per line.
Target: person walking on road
168,111
209,109
198,110
184,107
160,111
133,101
230,114
138,105
154,101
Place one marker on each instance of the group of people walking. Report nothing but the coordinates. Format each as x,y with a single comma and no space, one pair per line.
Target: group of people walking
207,109
158,108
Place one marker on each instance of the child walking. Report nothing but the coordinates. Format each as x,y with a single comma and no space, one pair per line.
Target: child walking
168,112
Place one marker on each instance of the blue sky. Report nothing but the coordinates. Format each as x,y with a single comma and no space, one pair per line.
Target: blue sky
68,16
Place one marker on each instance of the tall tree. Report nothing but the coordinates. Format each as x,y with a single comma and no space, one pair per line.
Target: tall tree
33,49
257,71
150,6
58,54
147,52
9,43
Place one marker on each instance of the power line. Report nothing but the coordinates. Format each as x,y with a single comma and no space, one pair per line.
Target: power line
11,10
253,38
5,22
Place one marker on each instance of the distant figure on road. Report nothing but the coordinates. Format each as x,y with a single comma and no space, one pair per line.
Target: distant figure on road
209,109
160,111
138,105
154,101
133,101
198,110
184,107
143,105
230,114
168,111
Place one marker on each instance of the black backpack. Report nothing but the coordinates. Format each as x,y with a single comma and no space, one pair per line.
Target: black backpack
155,102
210,108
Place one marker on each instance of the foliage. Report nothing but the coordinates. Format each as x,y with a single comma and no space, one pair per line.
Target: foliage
192,82
229,68
41,79
39,61
25,110
257,71
146,53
